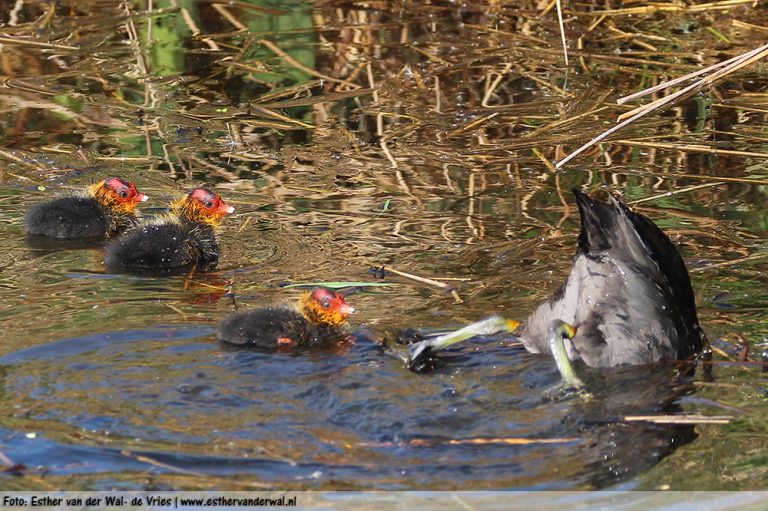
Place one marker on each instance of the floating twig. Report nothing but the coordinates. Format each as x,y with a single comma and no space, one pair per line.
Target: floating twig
680,419
424,280
430,442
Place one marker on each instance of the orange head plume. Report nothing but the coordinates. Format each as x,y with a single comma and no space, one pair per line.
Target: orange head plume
117,194
325,306
202,206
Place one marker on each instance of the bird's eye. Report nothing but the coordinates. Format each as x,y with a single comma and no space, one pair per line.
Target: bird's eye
325,303
123,194
208,204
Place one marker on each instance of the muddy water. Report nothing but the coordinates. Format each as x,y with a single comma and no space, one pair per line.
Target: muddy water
411,139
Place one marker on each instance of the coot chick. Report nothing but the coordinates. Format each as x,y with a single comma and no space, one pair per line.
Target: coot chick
104,209
184,237
628,296
319,318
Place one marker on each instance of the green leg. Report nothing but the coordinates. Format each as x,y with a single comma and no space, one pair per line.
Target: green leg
558,331
487,326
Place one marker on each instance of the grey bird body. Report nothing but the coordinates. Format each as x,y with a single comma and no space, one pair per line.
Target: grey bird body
628,294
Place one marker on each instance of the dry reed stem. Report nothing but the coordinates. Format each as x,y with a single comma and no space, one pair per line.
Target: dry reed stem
176,310
742,61
674,8
700,177
247,6
287,92
224,13
561,25
690,148
160,464
730,262
21,161
731,66
128,158
314,100
431,57
298,65
717,384
563,122
471,125
746,108
675,192
281,117
636,63
669,83
748,26
544,160
28,43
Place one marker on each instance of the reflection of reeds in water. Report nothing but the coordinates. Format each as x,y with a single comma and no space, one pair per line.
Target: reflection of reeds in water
478,88
455,115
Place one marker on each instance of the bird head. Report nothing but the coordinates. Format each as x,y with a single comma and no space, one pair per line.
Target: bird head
117,194
202,206
325,307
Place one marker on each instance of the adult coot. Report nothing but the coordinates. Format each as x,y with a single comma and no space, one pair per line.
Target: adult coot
628,298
